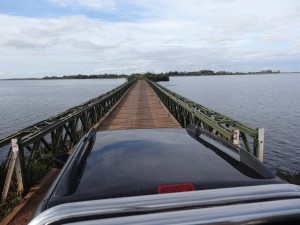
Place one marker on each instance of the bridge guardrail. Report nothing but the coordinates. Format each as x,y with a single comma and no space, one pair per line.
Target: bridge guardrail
189,112
37,144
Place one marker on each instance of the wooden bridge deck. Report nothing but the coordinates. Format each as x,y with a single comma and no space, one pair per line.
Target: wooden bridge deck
140,108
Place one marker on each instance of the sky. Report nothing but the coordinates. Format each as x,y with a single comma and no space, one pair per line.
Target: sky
67,37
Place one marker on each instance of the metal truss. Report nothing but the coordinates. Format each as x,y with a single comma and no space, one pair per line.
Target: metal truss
60,133
189,112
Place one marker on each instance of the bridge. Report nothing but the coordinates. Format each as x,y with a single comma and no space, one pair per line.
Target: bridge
134,105
140,108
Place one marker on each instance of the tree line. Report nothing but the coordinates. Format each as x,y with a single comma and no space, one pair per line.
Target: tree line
150,76
80,76
211,72
158,76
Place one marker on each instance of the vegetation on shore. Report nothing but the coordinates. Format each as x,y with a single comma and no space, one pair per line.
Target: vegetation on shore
159,76
80,76
149,76
211,72
290,177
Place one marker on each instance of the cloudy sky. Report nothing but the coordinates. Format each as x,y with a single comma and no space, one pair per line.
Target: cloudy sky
60,37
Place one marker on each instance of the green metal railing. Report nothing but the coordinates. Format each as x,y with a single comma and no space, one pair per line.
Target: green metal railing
56,135
189,112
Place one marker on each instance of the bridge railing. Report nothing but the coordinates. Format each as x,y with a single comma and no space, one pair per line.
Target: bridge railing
189,112
31,150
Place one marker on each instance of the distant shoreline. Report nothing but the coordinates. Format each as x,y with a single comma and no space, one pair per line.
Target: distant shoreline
171,74
64,78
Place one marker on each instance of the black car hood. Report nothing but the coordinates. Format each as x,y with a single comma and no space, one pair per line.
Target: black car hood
136,162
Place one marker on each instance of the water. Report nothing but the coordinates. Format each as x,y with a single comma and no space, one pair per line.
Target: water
25,102
268,101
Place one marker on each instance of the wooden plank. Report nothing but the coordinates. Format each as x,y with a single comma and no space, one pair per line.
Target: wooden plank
139,109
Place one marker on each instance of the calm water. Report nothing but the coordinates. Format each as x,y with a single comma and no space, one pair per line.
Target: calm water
269,101
25,102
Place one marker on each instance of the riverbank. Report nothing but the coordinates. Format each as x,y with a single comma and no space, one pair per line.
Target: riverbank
166,74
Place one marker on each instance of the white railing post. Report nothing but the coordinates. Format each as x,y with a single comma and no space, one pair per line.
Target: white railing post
236,137
260,144
13,164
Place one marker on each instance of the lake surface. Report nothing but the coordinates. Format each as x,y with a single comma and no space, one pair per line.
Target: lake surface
269,101
25,102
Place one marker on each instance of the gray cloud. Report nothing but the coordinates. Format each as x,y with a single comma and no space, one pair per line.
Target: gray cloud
22,44
168,35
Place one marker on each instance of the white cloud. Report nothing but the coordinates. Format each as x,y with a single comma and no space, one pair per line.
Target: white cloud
165,35
89,4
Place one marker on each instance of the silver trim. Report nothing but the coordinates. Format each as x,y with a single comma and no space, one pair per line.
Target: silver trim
254,213
217,197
